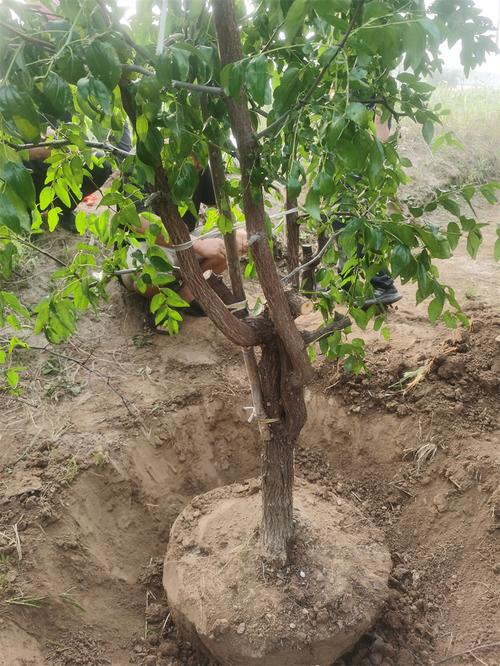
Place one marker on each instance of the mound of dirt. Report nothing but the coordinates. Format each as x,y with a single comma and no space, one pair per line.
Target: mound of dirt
311,612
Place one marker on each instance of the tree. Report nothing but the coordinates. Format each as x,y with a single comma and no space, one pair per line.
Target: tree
296,84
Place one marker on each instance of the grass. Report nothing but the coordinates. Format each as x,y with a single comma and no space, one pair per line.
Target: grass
473,118
71,471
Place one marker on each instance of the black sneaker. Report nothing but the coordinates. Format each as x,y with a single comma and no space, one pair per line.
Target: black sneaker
383,297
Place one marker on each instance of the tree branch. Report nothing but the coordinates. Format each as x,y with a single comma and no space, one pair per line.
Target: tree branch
194,87
58,143
228,38
313,261
18,239
280,121
337,324
28,38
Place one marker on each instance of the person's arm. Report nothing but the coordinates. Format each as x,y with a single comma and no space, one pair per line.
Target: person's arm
143,227
39,154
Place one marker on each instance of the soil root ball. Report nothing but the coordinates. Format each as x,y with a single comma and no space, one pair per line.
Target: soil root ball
226,601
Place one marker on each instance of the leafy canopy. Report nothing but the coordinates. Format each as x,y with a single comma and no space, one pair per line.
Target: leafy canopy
314,72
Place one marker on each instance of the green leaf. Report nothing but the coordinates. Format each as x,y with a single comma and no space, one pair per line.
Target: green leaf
453,234
19,109
295,18
334,132
7,255
449,319
488,192
434,309
58,95
19,179
474,240
359,114
231,77
12,377
141,126
428,131
496,250
103,62
415,44
401,258
329,10
62,192
257,80
8,214
185,182
81,222
96,94
174,300
156,302
53,218
181,63
451,206
46,197
312,204
326,184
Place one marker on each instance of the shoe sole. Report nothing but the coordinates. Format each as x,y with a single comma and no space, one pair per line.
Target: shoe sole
388,299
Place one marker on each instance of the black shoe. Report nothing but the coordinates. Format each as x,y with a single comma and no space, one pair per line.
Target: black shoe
383,297
194,310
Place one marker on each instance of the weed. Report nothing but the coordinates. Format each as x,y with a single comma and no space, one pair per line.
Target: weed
69,599
30,602
100,459
142,340
72,469
425,451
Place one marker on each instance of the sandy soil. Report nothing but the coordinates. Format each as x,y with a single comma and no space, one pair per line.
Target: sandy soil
97,458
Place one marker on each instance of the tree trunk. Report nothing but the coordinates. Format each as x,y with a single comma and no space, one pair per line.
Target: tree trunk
284,404
284,366
228,39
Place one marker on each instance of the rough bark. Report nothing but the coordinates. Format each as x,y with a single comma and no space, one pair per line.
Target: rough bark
234,329
284,402
228,39
224,208
308,274
292,239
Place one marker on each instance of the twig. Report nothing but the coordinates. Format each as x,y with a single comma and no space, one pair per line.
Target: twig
82,364
314,259
66,142
195,87
28,38
485,646
401,489
303,100
18,239
18,542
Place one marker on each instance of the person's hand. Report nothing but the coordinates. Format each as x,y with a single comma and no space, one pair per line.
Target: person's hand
241,242
210,248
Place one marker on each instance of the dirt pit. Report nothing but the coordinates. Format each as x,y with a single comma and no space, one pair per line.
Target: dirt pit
97,460
90,492
243,613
